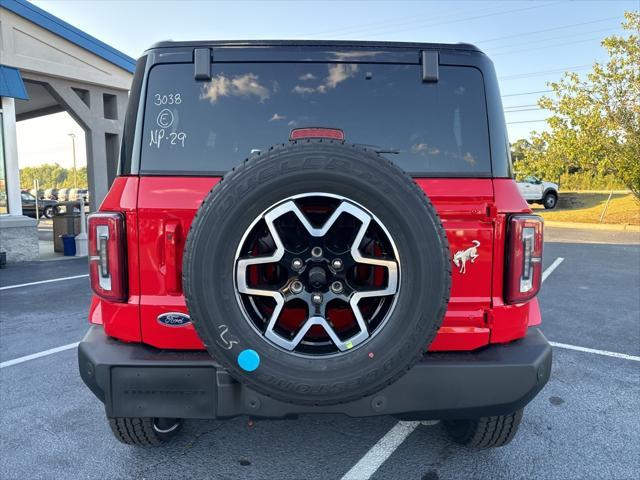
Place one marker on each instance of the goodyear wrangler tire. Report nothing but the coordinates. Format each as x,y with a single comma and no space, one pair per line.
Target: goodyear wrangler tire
316,273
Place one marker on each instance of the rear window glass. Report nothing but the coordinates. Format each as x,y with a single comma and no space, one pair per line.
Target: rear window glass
209,127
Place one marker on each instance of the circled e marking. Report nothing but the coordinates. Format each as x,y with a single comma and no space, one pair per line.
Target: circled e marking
165,118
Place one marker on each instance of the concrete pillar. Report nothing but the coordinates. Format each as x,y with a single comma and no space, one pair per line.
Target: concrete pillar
100,112
97,171
12,171
18,234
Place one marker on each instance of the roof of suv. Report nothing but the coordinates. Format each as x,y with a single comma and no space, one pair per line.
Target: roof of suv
317,43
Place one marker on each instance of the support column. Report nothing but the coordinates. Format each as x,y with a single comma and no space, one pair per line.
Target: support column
12,171
18,234
97,167
102,124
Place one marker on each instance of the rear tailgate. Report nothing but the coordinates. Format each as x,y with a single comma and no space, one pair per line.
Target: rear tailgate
466,208
166,206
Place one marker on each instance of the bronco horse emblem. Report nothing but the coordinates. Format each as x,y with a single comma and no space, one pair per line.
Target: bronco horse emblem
462,256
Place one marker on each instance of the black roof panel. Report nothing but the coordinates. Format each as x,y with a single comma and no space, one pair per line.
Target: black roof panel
317,43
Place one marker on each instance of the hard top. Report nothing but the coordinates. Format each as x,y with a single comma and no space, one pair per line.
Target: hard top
317,43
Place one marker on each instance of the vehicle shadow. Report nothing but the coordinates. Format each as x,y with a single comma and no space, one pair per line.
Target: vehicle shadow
313,446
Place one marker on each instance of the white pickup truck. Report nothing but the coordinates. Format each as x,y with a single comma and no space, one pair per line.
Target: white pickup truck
535,190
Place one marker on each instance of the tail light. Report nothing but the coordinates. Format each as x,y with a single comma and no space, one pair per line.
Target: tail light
107,266
524,258
316,132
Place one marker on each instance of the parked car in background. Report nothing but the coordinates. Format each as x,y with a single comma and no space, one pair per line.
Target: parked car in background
36,193
63,194
51,194
46,208
535,190
75,194
84,193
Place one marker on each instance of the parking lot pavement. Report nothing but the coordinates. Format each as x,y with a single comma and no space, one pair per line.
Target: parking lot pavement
593,297
45,230
44,315
16,274
584,423
581,235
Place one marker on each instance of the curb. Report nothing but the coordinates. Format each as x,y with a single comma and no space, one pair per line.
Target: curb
594,226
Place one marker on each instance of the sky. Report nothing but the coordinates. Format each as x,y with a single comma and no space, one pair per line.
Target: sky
47,140
530,42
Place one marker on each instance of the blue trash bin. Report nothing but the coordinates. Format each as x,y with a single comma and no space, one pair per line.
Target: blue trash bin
69,245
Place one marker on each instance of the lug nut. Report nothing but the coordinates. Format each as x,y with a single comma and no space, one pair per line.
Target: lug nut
336,263
316,298
297,264
316,252
296,286
336,287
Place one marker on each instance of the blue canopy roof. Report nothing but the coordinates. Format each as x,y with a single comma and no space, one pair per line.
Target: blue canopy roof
11,84
69,32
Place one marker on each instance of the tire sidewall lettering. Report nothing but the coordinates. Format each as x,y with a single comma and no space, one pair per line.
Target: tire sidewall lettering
229,210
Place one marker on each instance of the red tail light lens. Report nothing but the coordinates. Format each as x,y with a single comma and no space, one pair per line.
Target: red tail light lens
107,266
332,133
524,258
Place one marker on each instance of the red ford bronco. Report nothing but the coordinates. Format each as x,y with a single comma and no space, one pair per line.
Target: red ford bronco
315,227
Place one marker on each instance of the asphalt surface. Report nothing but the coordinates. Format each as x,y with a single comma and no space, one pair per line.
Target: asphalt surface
584,424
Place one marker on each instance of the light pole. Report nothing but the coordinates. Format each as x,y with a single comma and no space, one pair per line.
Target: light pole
75,172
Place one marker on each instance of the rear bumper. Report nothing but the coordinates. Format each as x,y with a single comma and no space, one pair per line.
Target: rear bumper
134,380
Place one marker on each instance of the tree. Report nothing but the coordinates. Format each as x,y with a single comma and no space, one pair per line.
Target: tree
519,150
533,157
595,124
52,175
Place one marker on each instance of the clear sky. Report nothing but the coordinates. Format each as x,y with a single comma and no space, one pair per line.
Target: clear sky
530,42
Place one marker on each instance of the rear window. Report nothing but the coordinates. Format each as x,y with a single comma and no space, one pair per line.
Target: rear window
209,127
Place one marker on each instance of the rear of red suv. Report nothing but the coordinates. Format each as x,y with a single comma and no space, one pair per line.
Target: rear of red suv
312,227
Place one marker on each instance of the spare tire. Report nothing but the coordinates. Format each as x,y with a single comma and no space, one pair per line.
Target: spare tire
317,272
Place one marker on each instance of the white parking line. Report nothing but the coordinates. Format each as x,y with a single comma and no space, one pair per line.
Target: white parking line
577,348
44,281
551,268
381,451
595,351
378,454
33,356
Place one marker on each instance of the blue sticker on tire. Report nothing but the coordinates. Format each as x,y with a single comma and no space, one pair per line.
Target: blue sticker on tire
249,360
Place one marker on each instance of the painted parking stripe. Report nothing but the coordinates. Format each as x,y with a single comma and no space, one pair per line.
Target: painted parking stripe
577,348
595,351
381,451
33,356
374,458
556,263
378,454
62,279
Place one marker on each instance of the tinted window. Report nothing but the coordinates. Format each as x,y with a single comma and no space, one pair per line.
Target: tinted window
209,127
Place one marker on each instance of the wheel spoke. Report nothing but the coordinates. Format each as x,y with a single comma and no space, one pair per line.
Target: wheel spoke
244,263
315,265
291,207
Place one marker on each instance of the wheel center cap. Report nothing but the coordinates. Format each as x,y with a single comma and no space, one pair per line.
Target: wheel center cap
317,277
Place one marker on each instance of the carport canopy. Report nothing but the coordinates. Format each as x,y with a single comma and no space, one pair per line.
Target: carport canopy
50,66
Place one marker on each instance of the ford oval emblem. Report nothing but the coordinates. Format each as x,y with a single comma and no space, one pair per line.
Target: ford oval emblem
174,319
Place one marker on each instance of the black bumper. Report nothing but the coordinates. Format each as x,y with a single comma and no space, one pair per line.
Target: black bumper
134,380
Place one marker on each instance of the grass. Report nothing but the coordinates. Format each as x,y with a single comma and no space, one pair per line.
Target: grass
586,207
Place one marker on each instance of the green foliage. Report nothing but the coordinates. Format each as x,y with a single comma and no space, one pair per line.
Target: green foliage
587,181
595,122
52,175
